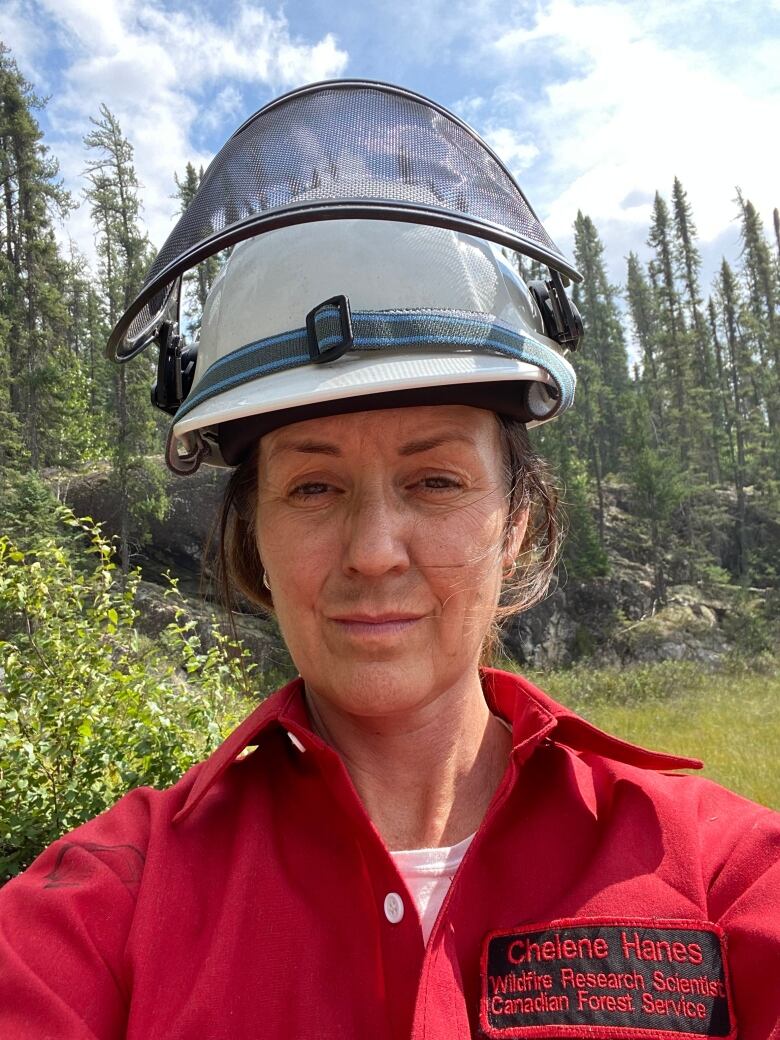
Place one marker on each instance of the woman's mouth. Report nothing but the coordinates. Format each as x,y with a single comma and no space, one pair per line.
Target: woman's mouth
376,625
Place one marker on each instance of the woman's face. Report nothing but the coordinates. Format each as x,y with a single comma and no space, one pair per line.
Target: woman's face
383,536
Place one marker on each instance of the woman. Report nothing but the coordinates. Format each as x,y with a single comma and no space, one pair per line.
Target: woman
400,842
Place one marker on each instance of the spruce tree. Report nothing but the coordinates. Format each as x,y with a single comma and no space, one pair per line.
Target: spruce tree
598,420
40,374
761,318
673,348
761,277
605,344
12,451
584,556
657,486
87,329
124,253
738,370
703,383
644,318
723,382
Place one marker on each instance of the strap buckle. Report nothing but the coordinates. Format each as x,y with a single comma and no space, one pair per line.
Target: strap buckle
329,329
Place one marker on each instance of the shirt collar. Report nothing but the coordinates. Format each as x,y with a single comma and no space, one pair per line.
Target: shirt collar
533,715
516,699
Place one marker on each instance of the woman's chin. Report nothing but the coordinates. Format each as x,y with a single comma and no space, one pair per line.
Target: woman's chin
381,685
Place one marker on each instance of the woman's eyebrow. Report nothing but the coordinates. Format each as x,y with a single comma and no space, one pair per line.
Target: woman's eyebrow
416,447
308,447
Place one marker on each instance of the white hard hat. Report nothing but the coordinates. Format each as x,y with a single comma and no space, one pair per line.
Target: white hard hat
349,315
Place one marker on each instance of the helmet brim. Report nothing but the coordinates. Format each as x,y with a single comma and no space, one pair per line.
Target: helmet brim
233,421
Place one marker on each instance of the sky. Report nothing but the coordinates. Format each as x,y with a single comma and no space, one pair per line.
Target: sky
593,104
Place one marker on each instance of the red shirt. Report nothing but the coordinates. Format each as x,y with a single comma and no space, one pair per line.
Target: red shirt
250,900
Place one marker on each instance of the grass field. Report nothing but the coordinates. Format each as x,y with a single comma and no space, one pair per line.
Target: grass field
729,718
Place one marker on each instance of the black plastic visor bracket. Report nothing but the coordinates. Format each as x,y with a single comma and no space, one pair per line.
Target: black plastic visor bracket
562,321
567,317
175,369
329,329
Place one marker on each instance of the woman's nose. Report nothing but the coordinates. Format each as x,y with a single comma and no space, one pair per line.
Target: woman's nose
376,535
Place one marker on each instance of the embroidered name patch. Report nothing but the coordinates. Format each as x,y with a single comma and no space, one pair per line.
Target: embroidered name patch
606,977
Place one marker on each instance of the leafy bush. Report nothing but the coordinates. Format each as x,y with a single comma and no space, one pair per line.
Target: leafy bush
88,707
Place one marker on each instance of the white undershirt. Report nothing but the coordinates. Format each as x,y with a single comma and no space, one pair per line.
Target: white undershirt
428,873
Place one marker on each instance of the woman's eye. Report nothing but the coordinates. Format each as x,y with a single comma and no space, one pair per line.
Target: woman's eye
439,484
309,489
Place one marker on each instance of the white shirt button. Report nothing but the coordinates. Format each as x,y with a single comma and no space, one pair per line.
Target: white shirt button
295,742
394,907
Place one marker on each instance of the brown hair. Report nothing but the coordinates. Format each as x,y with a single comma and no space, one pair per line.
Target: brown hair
530,486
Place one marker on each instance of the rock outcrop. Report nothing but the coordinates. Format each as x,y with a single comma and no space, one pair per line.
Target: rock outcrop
615,620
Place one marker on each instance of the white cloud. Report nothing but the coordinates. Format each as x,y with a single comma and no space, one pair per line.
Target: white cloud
18,30
172,78
517,154
255,46
631,106
515,146
223,109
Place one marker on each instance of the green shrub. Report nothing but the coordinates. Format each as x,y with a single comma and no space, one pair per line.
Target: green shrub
88,707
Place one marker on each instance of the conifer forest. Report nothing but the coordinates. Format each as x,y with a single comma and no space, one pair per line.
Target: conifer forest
676,427
693,406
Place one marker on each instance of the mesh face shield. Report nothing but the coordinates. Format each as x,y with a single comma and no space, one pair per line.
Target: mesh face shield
343,149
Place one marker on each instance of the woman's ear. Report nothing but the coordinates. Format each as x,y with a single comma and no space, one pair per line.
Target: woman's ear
514,539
